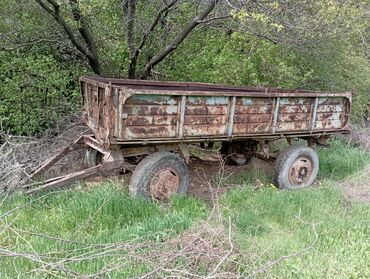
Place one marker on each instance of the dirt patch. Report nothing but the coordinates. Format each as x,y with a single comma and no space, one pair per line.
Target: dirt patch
357,186
206,177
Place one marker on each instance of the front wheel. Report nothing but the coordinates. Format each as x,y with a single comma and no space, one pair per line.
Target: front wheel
160,175
296,167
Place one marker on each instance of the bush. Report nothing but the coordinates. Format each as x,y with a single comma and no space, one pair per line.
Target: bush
35,90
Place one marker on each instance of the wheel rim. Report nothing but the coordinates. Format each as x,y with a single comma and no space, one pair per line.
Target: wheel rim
164,184
300,172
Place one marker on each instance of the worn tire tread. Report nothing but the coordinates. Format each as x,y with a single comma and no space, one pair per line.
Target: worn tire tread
282,159
143,171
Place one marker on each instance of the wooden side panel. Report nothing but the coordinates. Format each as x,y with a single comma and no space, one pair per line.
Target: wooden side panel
150,116
294,114
332,113
206,116
92,103
252,115
96,109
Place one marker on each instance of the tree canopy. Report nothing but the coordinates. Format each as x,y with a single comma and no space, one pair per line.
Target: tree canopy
47,44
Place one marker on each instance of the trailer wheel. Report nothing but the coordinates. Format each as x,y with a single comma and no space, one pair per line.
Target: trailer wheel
296,167
159,176
93,157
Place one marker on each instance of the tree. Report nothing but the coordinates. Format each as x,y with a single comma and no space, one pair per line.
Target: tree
86,43
322,45
88,47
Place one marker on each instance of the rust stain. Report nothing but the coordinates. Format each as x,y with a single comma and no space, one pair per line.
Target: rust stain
121,110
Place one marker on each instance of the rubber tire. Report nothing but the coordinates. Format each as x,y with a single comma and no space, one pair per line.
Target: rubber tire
285,160
92,157
152,163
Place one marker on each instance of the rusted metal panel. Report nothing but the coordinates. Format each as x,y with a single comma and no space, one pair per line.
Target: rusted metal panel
146,115
204,130
292,126
121,111
251,128
295,109
292,117
206,119
253,115
206,116
252,118
146,132
295,114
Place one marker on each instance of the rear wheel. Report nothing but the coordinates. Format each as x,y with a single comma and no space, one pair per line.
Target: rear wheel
296,167
159,176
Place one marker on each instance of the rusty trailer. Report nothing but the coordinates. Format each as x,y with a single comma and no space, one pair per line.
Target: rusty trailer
147,126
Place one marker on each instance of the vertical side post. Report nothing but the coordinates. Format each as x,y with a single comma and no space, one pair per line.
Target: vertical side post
314,114
230,123
276,114
87,100
107,109
119,119
116,110
182,116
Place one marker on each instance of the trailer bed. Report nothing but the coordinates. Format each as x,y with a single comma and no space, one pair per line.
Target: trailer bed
123,112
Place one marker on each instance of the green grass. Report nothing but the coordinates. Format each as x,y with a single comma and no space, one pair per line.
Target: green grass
273,223
101,215
341,160
268,224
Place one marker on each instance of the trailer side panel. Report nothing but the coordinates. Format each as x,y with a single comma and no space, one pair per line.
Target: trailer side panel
135,111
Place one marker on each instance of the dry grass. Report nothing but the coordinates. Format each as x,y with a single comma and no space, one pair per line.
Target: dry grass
360,136
20,155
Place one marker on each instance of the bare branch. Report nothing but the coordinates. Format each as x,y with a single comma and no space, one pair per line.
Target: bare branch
135,54
178,40
54,11
214,18
131,10
86,35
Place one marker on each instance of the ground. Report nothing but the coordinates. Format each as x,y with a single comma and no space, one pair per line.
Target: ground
357,186
206,169
234,223
204,172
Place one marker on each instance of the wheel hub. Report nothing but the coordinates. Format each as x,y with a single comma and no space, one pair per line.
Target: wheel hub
300,171
164,183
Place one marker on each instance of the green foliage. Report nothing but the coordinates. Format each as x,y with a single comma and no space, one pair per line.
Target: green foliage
36,90
243,59
238,59
335,66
